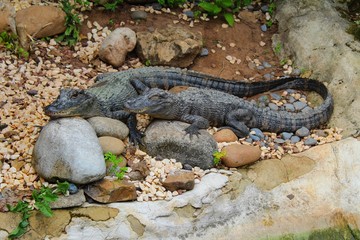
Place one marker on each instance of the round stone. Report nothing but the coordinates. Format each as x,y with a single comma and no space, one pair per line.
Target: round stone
109,127
225,135
279,140
302,132
260,67
294,139
258,132
268,76
138,15
296,72
111,144
266,64
310,142
263,28
73,188
238,155
189,14
286,135
204,52
265,8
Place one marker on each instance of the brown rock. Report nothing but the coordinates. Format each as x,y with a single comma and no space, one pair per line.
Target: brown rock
107,191
140,167
41,21
9,221
225,135
96,213
170,46
179,180
115,47
238,155
18,164
111,144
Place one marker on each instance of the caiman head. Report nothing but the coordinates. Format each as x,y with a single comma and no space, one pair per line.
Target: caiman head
73,103
153,101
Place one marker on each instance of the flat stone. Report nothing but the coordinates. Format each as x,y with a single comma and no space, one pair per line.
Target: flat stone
104,126
310,142
225,135
302,132
279,140
138,15
108,191
286,135
111,144
72,200
295,139
179,180
96,213
239,155
267,65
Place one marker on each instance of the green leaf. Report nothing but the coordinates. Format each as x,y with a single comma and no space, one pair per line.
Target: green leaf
229,18
62,187
210,8
44,208
17,232
224,3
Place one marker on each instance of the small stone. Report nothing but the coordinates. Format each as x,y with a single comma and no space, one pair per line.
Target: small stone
187,167
296,72
268,76
73,188
273,106
232,44
254,138
249,140
225,135
238,155
302,132
294,139
156,6
32,92
74,200
204,52
263,28
266,64
224,25
258,132
279,140
179,180
260,67
138,15
111,144
299,105
189,14
262,43
286,135
109,127
265,8
310,142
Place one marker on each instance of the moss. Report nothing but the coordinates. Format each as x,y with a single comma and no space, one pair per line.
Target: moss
354,29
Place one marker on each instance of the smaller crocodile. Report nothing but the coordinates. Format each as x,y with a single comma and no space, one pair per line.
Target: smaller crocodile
206,107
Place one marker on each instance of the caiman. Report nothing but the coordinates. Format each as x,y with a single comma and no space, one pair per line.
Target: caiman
207,107
108,95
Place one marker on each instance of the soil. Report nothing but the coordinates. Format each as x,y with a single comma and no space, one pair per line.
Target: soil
246,35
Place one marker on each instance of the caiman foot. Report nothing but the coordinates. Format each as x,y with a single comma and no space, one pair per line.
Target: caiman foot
135,138
192,130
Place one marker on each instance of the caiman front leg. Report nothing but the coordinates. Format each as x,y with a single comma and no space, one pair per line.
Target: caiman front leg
134,134
237,119
197,122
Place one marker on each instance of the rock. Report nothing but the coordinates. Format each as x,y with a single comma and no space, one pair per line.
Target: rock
138,15
189,14
41,21
268,76
170,46
108,191
68,149
260,67
302,132
257,132
254,138
263,28
7,17
338,66
115,47
73,188
266,64
310,142
104,126
286,135
179,180
248,16
225,135
73,200
265,8
139,170
239,155
294,139
279,140
299,105
204,52
168,140
156,6
111,144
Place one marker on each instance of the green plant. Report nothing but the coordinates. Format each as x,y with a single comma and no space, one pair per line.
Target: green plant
283,61
272,8
226,7
217,157
112,5
277,48
171,3
147,62
10,42
72,22
42,199
114,169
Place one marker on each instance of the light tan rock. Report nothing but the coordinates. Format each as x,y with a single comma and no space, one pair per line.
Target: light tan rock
111,144
104,126
96,213
225,135
170,46
239,155
41,21
115,47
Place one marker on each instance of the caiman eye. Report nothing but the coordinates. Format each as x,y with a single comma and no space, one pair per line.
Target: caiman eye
155,97
75,94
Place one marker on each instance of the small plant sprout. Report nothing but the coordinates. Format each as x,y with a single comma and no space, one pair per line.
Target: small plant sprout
217,157
119,172
11,43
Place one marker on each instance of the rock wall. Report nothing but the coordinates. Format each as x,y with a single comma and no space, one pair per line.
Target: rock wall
313,34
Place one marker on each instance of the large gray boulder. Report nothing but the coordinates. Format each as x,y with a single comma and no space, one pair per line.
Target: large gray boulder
313,34
167,139
68,149
171,46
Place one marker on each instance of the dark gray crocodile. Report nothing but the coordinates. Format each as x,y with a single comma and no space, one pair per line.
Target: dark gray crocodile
206,107
108,95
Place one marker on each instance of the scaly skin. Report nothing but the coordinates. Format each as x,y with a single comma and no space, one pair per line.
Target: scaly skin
205,107
108,95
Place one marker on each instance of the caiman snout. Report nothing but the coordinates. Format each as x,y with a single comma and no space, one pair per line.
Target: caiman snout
50,111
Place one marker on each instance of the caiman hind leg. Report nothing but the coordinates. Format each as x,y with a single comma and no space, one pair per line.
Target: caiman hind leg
237,121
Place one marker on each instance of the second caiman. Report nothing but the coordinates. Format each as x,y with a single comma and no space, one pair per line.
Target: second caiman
111,90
